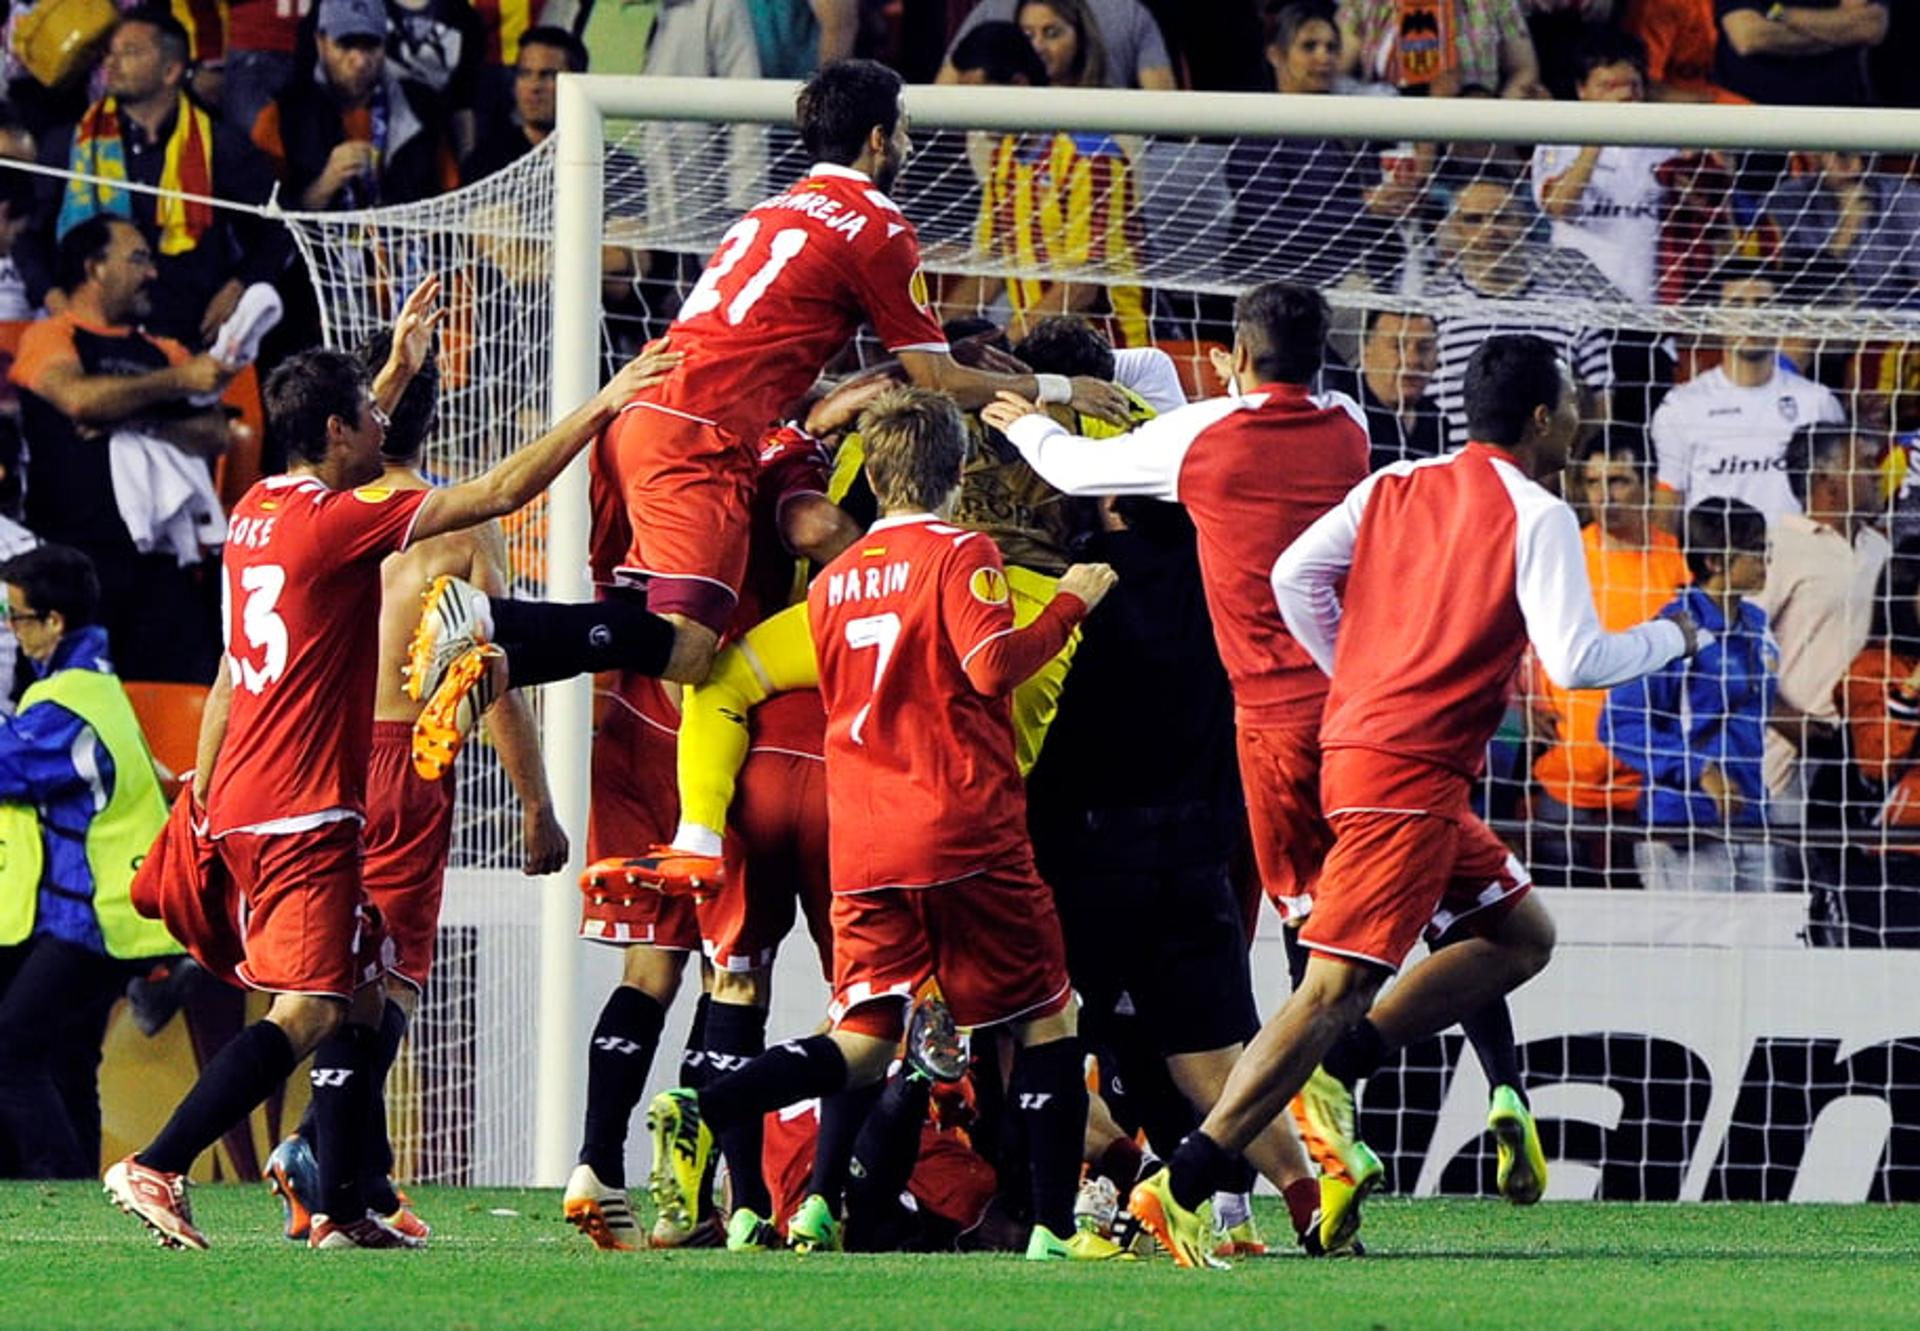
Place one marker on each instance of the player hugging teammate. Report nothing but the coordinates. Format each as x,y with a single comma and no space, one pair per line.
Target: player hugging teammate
1361,717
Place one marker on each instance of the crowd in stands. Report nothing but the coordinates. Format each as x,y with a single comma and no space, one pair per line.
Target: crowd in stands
116,297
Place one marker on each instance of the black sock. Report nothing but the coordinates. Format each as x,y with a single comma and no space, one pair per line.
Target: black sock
1357,1054
736,1033
1491,1031
1297,954
1200,1168
842,1116
618,1059
694,1071
345,1093
791,1071
376,1158
239,1077
548,640
885,1150
1049,1093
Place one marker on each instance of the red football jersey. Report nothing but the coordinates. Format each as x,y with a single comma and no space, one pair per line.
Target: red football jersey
789,285
301,593
921,782
792,463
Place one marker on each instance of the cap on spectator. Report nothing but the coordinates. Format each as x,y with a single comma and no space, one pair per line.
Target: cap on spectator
340,19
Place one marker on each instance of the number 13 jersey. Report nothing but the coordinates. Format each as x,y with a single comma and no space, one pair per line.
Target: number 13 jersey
921,782
300,598
788,286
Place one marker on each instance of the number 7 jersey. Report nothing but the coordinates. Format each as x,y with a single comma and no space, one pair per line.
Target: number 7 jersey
922,786
300,604
787,288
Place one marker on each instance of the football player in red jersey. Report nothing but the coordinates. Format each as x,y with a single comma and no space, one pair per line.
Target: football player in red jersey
283,758
789,285
1420,678
932,870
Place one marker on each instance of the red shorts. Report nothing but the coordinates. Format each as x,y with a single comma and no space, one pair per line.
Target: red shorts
776,859
1280,773
635,804
1408,857
409,825
682,487
182,883
306,926
992,940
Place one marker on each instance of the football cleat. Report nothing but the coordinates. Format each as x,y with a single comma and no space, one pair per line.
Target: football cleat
1096,1206
748,1231
1085,1246
1323,1111
468,689
682,1145
293,1176
1241,1240
1181,1232
707,1232
407,1223
1522,1171
935,1047
369,1231
602,1213
670,872
155,1198
812,1228
454,619
1341,1195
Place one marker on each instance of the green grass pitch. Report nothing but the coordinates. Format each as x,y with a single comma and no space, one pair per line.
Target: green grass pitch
502,1258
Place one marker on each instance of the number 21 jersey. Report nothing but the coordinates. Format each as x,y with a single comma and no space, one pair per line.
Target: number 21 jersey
788,286
301,616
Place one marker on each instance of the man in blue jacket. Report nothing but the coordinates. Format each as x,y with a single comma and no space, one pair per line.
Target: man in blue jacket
1696,729
79,805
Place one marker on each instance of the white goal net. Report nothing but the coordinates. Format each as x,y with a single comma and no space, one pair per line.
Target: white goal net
1743,323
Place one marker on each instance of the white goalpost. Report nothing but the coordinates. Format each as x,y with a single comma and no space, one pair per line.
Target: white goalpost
1685,1044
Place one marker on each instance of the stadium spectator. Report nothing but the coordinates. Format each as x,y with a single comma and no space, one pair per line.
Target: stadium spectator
1825,569
148,131
351,133
1695,729
1131,52
1606,202
1635,567
84,375
1679,36
23,276
1313,208
689,173
1880,697
1812,54
1725,431
545,54
1849,233
1067,196
998,54
261,38
441,45
80,803
1441,46
1397,361
1494,260
796,37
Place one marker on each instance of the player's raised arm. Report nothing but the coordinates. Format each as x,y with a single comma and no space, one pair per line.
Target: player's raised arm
1145,461
973,388
1556,599
525,473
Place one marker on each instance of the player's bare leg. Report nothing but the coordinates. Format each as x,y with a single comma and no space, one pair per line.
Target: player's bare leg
694,647
1276,1152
